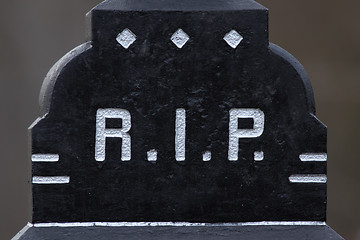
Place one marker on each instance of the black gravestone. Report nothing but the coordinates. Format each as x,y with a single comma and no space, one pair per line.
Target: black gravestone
181,114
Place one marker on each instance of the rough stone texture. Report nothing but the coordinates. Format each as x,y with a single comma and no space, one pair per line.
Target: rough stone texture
151,79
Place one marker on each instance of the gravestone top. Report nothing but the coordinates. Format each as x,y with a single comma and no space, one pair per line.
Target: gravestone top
173,5
187,114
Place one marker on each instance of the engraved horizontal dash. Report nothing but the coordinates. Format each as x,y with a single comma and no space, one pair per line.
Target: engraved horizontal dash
313,157
45,157
51,180
308,178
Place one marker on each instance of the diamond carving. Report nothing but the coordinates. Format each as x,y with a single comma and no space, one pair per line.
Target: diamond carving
233,38
126,38
179,38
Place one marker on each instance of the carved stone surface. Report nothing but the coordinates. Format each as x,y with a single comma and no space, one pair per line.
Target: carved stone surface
178,119
220,93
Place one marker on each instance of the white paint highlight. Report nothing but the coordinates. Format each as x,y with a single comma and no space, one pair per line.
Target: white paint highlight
308,178
152,155
178,224
235,133
313,157
45,157
50,180
37,120
22,231
102,132
179,38
258,155
68,224
233,38
180,134
126,38
206,156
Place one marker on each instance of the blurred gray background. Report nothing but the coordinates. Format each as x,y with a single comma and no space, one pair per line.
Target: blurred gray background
323,35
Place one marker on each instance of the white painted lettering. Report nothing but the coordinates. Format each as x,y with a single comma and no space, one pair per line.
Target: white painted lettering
180,128
235,133
102,132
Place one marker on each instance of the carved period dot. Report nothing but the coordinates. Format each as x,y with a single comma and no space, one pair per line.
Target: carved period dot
152,155
206,156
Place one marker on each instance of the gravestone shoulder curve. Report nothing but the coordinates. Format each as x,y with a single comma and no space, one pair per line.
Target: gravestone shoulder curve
54,72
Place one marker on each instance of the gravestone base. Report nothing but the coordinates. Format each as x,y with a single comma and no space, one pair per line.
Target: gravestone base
179,232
